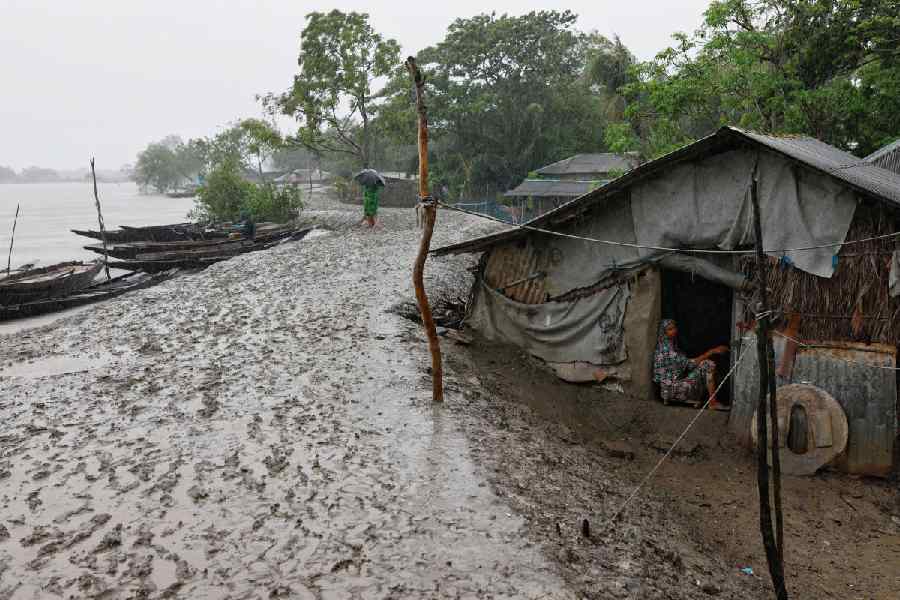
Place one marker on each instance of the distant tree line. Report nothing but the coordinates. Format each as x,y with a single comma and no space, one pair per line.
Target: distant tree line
227,171
509,94
45,175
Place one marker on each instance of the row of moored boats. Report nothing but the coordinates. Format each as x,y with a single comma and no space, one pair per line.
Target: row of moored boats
149,255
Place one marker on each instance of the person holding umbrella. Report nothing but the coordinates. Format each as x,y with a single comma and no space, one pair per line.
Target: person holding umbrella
371,182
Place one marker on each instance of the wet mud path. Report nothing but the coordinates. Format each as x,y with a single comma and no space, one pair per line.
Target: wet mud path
261,429
264,429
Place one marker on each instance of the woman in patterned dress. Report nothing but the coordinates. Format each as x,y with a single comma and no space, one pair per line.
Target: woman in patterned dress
683,379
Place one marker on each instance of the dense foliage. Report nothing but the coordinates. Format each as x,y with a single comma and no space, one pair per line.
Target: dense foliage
333,95
226,194
505,94
509,94
158,166
825,68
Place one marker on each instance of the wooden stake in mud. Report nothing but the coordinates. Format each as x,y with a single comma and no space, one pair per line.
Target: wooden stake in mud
12,238
773,541
100,220
429,211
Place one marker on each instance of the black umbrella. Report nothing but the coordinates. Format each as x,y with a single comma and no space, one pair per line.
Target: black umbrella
369,177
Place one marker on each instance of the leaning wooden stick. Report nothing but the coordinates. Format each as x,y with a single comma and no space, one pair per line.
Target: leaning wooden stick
12,238
429,210
100,220
772,540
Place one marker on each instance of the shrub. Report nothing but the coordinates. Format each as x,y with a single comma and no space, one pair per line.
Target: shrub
225,194
272,203
343,188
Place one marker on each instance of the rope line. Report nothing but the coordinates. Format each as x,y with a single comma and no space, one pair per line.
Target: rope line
677,441
846,360
663,248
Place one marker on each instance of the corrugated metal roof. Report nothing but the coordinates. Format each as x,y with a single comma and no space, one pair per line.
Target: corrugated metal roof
590,163
552,187
887,157
814,153
866,178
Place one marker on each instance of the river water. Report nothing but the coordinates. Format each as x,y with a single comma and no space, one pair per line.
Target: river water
49,210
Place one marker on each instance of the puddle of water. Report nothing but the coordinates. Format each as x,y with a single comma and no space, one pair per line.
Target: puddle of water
20,325
317,233
53,365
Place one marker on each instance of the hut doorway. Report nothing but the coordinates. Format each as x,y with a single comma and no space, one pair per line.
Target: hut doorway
702,309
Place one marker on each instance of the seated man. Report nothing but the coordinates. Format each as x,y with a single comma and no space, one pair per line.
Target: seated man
683,379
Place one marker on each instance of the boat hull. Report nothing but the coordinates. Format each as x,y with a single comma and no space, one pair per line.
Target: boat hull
95,293
49,282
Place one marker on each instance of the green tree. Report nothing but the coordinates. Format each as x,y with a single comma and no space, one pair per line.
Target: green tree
223,194
507,94
826,68
157,168
226,194
261,141
333,95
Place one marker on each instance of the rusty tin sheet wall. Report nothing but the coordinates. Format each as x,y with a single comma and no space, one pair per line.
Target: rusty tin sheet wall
849,373
868,395
516,261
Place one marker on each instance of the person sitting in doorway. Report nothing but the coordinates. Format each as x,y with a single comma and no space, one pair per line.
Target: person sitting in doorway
683,379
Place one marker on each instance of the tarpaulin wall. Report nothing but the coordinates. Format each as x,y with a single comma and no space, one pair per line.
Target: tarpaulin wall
702,204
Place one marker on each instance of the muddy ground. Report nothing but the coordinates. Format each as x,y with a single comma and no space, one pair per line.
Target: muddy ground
264,429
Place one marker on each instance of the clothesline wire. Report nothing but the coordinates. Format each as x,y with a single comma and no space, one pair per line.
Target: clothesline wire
677,441
663,248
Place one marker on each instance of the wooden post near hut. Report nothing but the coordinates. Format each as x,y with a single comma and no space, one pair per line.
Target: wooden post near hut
773,541
429,211
12,238
100,220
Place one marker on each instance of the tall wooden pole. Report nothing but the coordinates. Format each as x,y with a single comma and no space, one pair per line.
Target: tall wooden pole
429,211
12,238
771,541
100,220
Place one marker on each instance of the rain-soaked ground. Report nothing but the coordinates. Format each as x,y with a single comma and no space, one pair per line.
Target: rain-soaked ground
263,429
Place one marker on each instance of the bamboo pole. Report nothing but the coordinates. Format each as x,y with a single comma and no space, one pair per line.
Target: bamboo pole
772,540
12,238
429,211
100,220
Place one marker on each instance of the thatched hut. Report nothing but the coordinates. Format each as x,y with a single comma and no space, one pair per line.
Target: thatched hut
583,287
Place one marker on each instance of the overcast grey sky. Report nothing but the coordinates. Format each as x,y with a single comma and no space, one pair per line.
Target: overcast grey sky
106,77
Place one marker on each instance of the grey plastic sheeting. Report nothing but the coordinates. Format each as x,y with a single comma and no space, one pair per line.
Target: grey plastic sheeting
706,204
589,329
577,263
705,269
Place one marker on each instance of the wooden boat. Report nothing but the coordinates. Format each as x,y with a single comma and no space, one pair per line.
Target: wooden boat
62,279
200,259
130,250
103,290
154,233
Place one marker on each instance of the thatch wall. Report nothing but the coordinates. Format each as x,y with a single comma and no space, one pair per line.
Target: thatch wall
853,305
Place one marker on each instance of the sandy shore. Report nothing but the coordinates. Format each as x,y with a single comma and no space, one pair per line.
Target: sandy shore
263,429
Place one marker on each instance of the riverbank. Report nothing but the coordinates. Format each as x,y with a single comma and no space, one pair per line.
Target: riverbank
264,429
